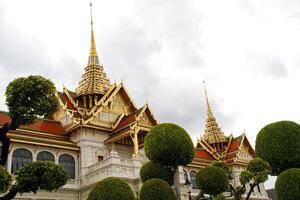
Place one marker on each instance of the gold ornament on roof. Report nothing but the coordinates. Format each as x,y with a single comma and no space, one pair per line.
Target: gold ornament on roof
212,132
94,80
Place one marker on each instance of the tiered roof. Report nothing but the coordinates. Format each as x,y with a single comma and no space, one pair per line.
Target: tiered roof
214,145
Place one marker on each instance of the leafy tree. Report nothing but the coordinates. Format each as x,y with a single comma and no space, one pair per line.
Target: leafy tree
27,98
169,145
278,143
257,172
43,175
111,189
155,170
287,186
212,180
155,189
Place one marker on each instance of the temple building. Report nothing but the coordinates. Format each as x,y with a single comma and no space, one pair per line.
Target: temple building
99,132
214,145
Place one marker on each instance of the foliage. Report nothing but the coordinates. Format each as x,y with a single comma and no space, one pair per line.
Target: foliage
43,175
5,180
169,144
154,170
287,186
221,164
278,143
155,189
219,197
212,180
28,98
111,189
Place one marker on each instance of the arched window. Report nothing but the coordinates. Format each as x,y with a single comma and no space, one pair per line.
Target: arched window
69,164
20,158
193,179
45,156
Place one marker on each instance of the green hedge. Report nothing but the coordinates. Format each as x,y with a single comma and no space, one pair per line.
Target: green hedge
154,170
157,189
212,180
169,144
111,189
287,186
278,143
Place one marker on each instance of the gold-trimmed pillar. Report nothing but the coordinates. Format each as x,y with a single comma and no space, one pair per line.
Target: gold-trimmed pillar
135,142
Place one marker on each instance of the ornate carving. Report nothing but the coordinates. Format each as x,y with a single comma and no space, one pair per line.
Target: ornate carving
244,153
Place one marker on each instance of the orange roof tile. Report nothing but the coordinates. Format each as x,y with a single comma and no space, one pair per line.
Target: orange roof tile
47,126
203,154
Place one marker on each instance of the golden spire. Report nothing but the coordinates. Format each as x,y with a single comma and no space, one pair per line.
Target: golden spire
93,51
212,132
94,80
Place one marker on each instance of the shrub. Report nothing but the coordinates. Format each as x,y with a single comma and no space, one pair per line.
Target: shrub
154,170
43,175
287,186
212,180
169,144
5,180
155,189
278,143
111,189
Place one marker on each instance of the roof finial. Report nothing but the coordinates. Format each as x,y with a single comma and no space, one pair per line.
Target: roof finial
206,98
93,52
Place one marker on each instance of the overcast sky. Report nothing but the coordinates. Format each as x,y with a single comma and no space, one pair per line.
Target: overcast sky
247,51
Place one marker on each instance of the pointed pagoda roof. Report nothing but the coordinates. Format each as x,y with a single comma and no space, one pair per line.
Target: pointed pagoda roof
212,132
94,80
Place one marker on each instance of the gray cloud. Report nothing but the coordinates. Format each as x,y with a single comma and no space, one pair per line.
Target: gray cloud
269,66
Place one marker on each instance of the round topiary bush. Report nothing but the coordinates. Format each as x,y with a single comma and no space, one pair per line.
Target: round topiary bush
151,170
155,189
44,175
111,189
287,186
5,180
169,144
278,143
212,180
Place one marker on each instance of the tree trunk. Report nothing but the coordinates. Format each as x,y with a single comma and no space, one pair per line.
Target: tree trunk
250,191
5,143
176,184
13,191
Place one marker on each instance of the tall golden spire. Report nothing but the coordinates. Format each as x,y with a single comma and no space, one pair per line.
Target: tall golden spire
94,80
212,131
93,58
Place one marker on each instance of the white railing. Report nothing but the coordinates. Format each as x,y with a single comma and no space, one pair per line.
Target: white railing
113,166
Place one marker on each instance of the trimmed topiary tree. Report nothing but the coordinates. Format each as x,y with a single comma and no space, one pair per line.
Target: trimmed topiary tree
155,189
111,189
151,170
278,143
5,180
212,180
169,145
43,175
287,186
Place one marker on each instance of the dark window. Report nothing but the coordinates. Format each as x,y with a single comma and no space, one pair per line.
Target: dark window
20,158
45,155
186,177
100,158
258,188
69,164
193,179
